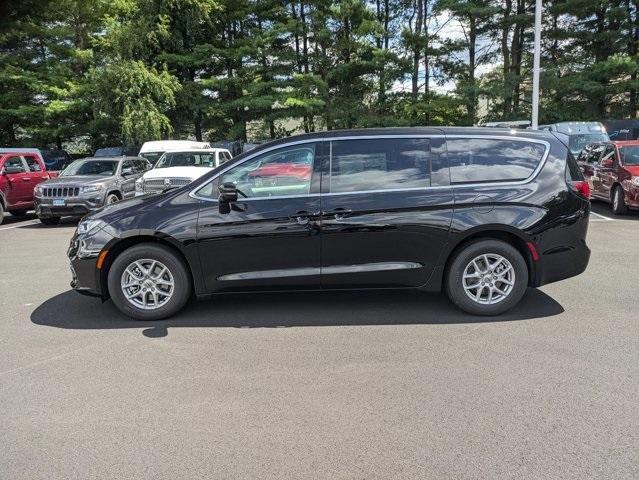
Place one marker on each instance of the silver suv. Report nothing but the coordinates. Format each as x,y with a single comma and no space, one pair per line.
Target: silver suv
87,185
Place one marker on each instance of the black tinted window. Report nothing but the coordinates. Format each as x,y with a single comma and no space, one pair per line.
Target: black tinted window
488,159
384,164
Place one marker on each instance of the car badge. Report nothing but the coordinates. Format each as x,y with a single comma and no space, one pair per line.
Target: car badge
167,182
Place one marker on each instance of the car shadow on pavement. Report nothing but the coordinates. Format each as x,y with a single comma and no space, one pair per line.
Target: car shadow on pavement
303,309
64,223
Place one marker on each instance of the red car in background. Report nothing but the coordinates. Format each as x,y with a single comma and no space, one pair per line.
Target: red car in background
20,172
612,169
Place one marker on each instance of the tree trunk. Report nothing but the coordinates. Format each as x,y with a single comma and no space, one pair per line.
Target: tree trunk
505,53
472,46
417,55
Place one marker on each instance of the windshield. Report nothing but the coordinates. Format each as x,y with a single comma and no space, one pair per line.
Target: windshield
105,168
152,156
629,155
186,159
577,142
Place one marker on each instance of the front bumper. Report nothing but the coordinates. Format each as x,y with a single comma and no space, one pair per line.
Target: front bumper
73,207
83,253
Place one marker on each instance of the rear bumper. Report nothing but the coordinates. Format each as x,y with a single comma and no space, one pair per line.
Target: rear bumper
560,264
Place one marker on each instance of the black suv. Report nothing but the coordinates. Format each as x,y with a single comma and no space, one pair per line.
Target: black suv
480,213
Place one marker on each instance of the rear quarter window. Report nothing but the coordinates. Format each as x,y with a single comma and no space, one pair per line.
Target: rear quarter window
477,160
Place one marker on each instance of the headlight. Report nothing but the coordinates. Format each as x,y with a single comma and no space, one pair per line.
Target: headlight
92,188
635,181
87,226
139,184
38,190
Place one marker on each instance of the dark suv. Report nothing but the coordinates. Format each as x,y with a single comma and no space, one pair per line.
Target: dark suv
480,213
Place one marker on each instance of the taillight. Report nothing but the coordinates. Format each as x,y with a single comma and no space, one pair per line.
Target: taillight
581,187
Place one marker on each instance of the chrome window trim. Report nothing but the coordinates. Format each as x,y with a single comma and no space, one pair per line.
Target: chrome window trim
506,183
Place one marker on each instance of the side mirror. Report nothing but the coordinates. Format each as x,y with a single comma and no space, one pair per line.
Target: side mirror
607,163
10,170
228,193
127,171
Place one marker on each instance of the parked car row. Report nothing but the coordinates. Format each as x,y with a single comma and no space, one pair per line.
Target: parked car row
88,184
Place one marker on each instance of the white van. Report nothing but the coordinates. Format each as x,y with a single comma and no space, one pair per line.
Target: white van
153,150
176,168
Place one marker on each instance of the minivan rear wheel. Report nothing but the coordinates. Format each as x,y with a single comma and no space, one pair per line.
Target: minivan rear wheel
487,277
149,282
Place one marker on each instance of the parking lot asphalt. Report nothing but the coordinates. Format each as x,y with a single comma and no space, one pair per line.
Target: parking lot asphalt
384,384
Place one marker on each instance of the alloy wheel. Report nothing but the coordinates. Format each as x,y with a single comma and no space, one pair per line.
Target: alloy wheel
147,284
488,279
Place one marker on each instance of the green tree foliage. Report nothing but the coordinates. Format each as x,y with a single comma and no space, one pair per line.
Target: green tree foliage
111,72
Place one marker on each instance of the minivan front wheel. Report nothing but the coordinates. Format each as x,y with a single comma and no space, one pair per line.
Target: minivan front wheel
149,282
487,277
618,202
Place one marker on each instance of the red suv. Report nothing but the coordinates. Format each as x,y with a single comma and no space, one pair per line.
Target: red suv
20,172
612,169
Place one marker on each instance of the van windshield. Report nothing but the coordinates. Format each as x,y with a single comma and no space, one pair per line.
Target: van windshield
630,155
186,159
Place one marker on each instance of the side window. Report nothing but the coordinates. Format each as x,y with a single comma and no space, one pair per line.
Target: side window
279,173
475,160
15,162
595,154
221,157
608,154
380,164
128,165
33,163
145,165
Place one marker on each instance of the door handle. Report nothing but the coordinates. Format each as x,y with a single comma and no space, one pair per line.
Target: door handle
303,217
338,213
25,179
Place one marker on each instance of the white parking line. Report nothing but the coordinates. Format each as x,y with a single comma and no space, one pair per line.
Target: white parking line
22,224
602,216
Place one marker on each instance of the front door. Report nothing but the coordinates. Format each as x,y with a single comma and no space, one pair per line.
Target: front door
269,238
382,222
20,191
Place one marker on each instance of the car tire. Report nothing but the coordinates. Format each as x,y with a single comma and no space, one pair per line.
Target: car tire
618,202
50,220
474,288
18,213
111,198
133,271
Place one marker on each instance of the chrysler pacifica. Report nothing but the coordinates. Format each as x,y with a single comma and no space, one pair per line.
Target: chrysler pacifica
481,214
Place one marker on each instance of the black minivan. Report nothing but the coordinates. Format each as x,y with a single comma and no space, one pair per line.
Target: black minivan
480,213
